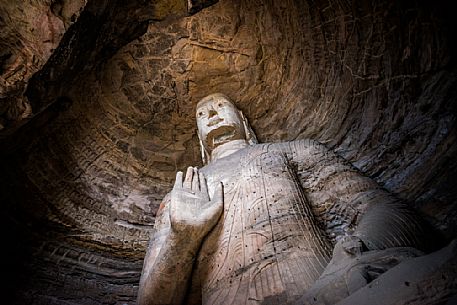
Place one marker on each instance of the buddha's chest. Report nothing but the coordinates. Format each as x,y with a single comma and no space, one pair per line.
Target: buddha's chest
251,172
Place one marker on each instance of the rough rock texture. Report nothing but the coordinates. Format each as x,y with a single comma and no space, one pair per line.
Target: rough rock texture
31,31
112,116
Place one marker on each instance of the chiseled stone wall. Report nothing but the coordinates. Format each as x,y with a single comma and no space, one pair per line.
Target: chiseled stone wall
31,31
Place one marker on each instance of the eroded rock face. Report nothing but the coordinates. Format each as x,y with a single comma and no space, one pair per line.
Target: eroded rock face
31,31
83,180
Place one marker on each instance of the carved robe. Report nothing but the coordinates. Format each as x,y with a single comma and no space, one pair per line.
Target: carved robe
284,206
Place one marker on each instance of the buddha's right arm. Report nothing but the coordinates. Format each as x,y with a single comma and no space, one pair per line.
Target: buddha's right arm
185,217
168,263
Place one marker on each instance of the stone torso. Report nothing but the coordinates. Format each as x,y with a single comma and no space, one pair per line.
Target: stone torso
266,248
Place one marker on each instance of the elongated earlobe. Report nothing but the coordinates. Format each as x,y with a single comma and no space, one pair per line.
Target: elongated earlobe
204,153
250,135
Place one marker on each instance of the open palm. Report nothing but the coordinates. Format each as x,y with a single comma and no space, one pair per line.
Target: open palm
192,211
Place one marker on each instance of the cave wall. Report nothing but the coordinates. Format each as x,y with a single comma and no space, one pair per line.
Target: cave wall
374,81
30,32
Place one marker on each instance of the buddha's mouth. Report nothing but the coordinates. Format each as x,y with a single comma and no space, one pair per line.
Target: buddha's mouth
214,122
221,135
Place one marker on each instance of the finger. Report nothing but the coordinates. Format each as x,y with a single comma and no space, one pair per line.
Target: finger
195,180
188,180
178,181
218,195
203,185
214,209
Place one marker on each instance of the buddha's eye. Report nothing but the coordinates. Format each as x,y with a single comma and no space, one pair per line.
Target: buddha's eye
200,114
220,104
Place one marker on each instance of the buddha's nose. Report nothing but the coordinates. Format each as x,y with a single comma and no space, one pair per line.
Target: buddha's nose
211,113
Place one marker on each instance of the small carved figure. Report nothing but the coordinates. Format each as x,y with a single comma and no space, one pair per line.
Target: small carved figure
258,223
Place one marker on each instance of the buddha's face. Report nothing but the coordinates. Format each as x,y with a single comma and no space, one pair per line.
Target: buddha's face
218,121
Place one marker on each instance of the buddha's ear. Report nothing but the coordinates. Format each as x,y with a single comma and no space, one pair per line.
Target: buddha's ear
204,153
250,135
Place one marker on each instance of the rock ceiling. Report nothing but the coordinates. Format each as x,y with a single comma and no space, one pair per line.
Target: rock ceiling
97,102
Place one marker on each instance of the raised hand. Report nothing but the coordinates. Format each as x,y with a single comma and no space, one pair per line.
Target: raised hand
192,212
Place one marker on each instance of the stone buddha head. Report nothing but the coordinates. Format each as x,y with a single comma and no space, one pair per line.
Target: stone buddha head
219,121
